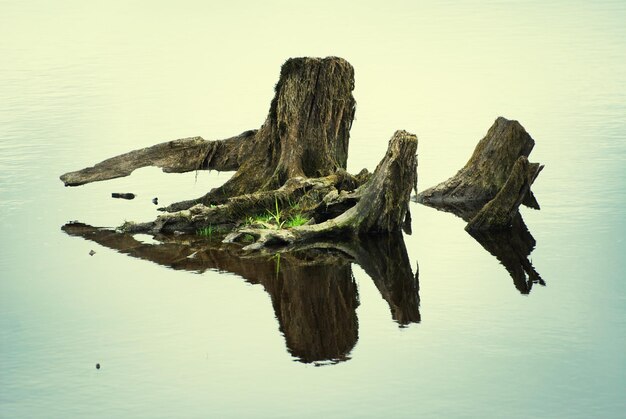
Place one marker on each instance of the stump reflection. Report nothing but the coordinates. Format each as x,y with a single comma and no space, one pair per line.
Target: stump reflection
313,291
386,261
512,247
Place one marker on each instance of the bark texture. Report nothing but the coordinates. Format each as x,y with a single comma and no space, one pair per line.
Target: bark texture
306,134
383,206
500,211
488,168
493,183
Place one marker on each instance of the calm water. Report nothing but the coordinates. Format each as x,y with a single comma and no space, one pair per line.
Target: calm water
82,81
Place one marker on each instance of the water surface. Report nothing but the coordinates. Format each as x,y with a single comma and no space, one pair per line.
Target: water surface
466,335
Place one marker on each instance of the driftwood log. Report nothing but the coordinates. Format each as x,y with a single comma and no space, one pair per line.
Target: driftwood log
496,180
297,159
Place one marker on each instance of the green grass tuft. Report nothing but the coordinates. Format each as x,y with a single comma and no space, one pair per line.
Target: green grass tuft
275,219
276,215
296,220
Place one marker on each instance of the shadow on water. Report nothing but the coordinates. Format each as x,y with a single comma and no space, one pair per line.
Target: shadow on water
511,247
313,291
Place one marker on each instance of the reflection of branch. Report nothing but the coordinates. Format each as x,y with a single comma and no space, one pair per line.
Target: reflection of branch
313,292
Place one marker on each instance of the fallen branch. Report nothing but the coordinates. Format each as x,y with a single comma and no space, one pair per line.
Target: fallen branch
178,156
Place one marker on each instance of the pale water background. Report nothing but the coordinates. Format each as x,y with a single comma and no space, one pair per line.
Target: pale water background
81,81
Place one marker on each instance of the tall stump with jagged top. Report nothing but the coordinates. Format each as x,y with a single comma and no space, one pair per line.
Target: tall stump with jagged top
296,160
306,132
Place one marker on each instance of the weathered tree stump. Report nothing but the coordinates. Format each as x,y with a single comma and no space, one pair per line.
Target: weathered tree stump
500,211
383,205
494,182
376,203
297,159
306,134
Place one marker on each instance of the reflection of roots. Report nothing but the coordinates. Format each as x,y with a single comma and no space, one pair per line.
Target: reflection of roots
312,290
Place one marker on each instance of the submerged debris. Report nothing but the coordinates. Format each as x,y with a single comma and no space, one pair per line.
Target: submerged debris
123,195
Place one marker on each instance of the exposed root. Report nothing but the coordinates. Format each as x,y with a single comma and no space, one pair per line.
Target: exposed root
382,207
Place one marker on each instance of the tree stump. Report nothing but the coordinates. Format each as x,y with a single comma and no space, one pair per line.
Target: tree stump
500,211
382,207
306,134
297,159
498,168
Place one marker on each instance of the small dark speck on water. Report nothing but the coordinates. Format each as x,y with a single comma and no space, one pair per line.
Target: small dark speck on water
97,366
91,253
155,201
